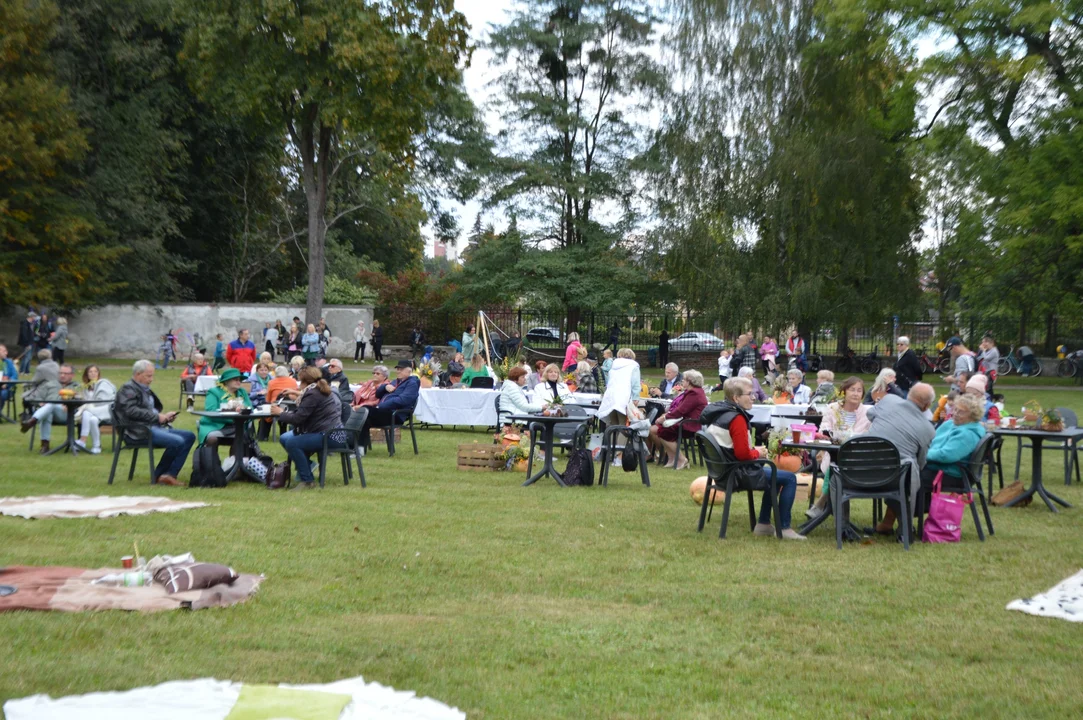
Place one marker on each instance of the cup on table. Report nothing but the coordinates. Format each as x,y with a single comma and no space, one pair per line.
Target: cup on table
1011,423
126,562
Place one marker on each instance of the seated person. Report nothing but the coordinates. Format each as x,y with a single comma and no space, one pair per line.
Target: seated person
884,384
7,372
140,410
535,377
281,385
670,385
297,364
90,417
477,369
426,356
955,441
260,381
229,394
731,429
453,375
552,386
49,412
945,407
584,378
824,394
512,399
265,358
199,366
46,371
318,411
398,398
366,394
758,395
841,421
683,412
336,375
976,386
798,389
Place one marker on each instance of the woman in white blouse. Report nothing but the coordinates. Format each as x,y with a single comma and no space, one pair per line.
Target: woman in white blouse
551,386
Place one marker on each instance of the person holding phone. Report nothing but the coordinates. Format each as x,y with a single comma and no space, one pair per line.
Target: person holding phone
140,410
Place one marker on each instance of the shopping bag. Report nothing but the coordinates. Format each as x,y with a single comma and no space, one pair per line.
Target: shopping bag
944,522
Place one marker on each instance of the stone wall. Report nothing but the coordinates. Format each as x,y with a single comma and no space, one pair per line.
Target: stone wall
134,331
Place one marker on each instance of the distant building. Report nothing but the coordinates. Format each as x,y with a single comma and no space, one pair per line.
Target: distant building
439,249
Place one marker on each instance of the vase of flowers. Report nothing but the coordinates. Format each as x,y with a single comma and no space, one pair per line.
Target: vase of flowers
782,458
426,372
1052,421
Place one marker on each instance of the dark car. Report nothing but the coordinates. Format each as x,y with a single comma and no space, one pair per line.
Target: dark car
544,335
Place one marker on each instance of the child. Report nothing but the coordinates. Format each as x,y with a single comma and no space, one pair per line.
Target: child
167,350
946,408
607,363
219,353
998,401
724,370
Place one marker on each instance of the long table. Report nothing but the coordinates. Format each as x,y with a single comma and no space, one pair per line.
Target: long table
475,406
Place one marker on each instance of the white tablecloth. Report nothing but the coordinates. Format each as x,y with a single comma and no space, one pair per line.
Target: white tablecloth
463,406
206,382
770,414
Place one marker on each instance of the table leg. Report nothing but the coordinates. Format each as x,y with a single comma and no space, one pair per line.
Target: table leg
1036,486
69,443
547,449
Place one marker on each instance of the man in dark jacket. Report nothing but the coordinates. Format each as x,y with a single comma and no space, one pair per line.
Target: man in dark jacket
341,384
663,348
140,409
27,336
614,338
394,397
907,368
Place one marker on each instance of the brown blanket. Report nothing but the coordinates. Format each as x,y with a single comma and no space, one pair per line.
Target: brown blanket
70,590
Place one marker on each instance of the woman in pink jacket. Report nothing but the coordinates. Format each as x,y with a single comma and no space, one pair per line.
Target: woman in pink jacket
571,354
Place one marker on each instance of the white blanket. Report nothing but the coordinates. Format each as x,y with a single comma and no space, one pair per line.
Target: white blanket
78,506
210,699
1063,601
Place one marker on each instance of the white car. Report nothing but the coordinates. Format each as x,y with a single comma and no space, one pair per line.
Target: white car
696,341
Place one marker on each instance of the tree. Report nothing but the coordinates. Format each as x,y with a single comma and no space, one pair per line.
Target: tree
341,78
575,76
47,255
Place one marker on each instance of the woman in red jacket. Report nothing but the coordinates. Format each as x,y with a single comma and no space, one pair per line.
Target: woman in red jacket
731,430
684,412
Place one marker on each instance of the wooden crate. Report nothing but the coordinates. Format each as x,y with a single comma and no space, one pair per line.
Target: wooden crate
804,481
480,458
377,435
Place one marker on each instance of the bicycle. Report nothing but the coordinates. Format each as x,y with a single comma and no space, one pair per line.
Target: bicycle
1009,362
941,365
849,360
1069,366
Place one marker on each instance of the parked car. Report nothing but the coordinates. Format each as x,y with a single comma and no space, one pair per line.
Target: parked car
696,341
544,335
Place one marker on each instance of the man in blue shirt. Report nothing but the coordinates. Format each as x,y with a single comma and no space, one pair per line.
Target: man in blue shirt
399,396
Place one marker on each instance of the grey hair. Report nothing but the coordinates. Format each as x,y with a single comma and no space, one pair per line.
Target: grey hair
795,373
903,340
198,356
745,372
382,369
693,378
673,367
141,366
282,371
886,376
736,386
45,354
61,321
583,367
973,405
922,394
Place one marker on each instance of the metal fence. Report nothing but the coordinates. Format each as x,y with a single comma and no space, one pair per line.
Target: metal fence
641,331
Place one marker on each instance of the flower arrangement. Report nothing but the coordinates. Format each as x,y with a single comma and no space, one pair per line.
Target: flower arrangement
502,368
782,458
1052,421
428,369
515,452
1032,411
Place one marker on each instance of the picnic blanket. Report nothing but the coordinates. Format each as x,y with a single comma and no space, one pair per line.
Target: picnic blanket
210,699
70,589
1063,601
78,506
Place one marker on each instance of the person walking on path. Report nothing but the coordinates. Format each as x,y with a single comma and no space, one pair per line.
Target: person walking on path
614,337
27,337
361,338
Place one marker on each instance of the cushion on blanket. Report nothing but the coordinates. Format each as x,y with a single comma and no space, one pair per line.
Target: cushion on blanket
193,576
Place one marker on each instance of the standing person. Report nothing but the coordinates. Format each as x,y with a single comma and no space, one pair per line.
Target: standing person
614,337
310,344
90,417
663,348
768,354
724,371
795,347
963,361
571,353
744,356
360,338
241,353
988,359
377,341
140,409
1026,359
60,339
219,353
325,337
417,342
908,371
293,343
27,338
44,332
270,340
470,339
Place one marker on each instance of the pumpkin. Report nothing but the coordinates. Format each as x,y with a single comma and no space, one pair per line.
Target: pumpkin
699,486
788,462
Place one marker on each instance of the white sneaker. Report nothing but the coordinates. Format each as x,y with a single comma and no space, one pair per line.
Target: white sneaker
764,529
814,512
96,450
791,534
81,445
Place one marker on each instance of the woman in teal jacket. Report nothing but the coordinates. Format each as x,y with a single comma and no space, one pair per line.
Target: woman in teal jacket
956,440
230,389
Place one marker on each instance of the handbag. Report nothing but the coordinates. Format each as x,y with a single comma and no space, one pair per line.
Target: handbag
944,522
1008,493
279,476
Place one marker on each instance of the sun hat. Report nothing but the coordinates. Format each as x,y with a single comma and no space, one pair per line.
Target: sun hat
230,374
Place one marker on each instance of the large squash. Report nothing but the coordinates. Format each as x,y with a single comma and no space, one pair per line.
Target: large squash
788,462
699,486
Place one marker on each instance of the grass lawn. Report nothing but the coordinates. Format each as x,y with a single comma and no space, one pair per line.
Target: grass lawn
538,602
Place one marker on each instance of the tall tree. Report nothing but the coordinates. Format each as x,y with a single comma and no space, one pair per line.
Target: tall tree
340,77
47,255
576,76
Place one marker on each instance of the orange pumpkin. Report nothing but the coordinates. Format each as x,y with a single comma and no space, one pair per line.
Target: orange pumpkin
699,486
788,462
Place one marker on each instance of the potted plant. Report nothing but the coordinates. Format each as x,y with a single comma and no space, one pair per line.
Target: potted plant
426,372
782,458
570,381
1052,421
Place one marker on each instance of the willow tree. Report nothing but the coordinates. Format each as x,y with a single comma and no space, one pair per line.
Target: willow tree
784,168
343,79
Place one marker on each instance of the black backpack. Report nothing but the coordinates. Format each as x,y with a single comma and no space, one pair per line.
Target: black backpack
580,470
207,468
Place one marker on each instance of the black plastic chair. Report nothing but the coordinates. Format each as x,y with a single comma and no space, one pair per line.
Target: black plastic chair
994,463
969,481
1069,447
352,451
485,383
688,442
121,441
869,467
399,418
189,393
723,474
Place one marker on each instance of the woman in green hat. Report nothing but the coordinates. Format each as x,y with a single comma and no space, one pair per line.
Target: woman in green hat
229,391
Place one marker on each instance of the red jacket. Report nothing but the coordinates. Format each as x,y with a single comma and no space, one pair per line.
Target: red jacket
241,356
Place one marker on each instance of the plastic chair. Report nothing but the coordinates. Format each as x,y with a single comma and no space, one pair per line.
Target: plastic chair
729,475
485,383
969,481
869,467
121,441
400,418
352,451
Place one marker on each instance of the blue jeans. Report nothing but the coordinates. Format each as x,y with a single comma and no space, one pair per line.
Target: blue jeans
787,491
300,448
24,362
47,415
177,445
1026,366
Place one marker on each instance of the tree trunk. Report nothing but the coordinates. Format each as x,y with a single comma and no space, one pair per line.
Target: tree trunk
843,340
316,179
573,319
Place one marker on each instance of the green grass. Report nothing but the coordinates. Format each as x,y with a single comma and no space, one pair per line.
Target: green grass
514,602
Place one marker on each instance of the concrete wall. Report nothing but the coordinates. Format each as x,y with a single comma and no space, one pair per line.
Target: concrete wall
133,331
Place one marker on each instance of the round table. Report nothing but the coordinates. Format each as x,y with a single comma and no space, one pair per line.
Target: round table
548,422
71,406
239,421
